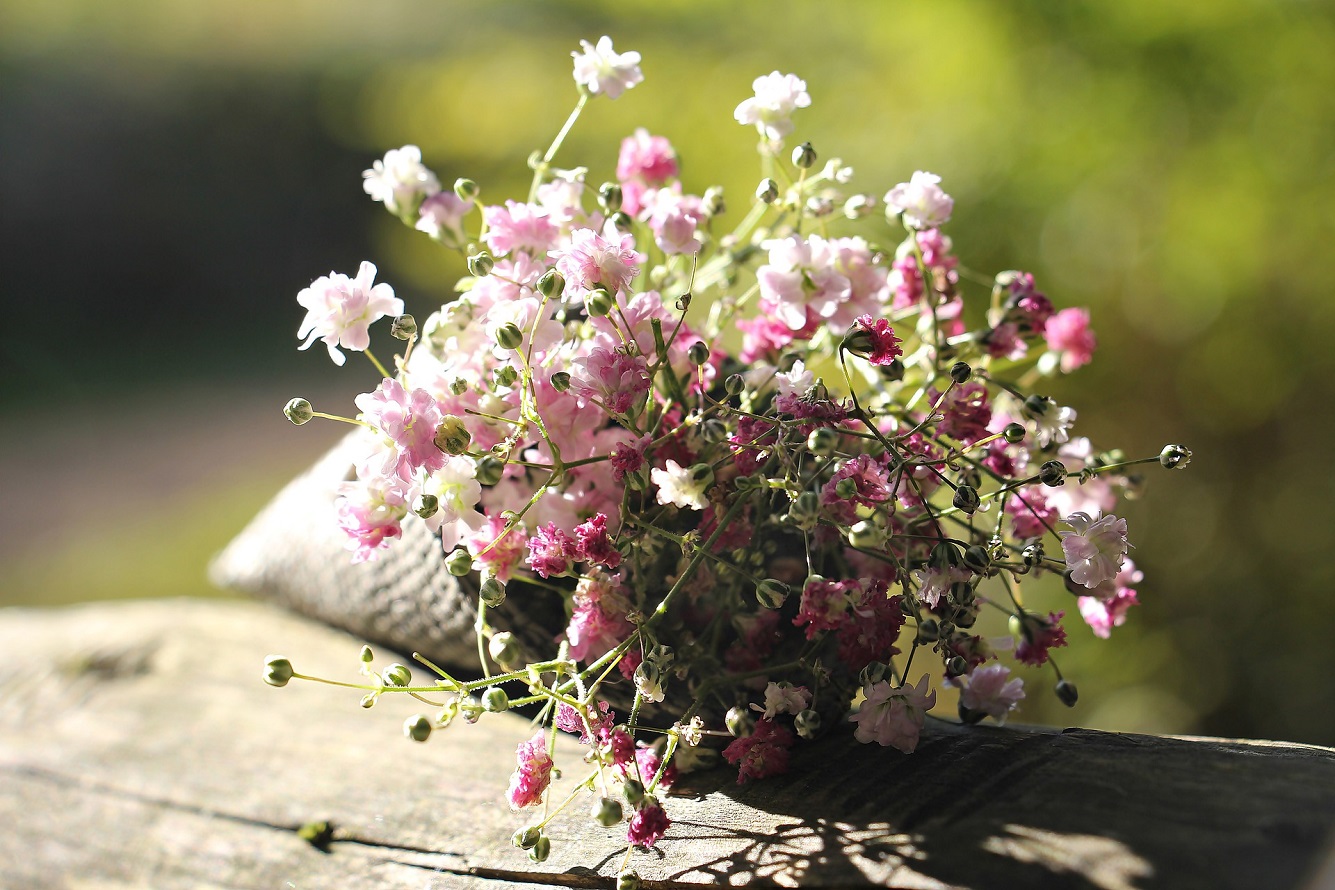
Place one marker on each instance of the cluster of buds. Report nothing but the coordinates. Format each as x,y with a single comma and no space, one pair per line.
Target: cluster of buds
745,537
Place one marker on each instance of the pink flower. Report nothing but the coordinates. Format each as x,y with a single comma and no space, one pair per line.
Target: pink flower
765,334
500,560
776,97
340,310
533,773
589,260
622,748
1031,514
370,516
568,719
441,216
871,488
619,382
410,421
990,690
650,159
1096,549
594,545
648,825
518,226
400,181
598,621
801,275
870,633
551,551
935,583
966,412
601,69
1068,334
1107,605
825,604
1040,635
674,224
893,716
628,457
921,201
762,754
882,345
648,762
1026,305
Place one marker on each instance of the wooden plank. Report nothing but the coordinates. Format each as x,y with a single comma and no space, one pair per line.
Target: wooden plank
139,748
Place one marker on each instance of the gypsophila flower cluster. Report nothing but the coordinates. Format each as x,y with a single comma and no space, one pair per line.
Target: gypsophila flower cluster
767,466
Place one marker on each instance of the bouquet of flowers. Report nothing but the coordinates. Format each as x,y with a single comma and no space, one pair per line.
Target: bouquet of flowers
766,470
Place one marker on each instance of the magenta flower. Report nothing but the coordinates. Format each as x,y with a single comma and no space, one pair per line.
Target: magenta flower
650,159
533,773
628,457
410,421
1031,514
871,487
551,551
762,754
883,345
966,412
1040,635
619,382
590,260
568,719
825,604
893,716
1096,549
499,559
1067,334
340,310
648,825
598,621
594,545
370,516
870,633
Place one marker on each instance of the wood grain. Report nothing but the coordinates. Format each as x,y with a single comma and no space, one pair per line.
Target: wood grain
138,748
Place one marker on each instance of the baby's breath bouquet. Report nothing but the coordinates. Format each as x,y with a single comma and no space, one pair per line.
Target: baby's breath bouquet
762,468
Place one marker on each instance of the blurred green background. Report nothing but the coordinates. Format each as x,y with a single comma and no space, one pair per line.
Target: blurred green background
174,171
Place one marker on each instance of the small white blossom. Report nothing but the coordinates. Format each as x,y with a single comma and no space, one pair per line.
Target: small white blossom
921,201
935,583
677,485
796,381
1054,425
600,69
400,181
340,310
1096,549
783,698
991,690
771,108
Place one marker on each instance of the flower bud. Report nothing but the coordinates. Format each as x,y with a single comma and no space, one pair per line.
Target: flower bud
367,656
471,709
368,700
551,283
944,555
733,384
1173,457
649,681
621,221
977,558
928,631
771,593
966,499
494,700
633,791
404,327
1052,473
768,191
805,511
866,535
966,617
397,675
846,488
417,727
714,431
702,475
804,156
628,880
504,649
960,372
492,592
541,850
505,375
459,562
607,812
859,206
277,671
698,354
427,505
598,302
739,722
299,411
807,723
956,666
873,673
452,437
480,264
713,201
1067,692
1037,406
466,189
1013,433
458,386
526,838
822,441
509,336
1033,555
961,593
894,371
489,470
609,197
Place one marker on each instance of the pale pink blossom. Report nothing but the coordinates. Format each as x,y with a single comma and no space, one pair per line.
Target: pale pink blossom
650,159
617,381
990,690
893,716
371,516
457,490
518,226
498,555
935,583
598,621
1107,604
601,69
796,381
340,310
551,551
921,201
1095,549
771,109
675,224
409,420
400,181
1068,335
441,216
589,260
801,275
677,485
532,774
783,698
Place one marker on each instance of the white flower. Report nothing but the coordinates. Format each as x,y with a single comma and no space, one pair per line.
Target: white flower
796,381
991,690
783,698
1096,549
1053,425
678,485
771,108
935,583
340,310
921,201
400,181
458,492
601,69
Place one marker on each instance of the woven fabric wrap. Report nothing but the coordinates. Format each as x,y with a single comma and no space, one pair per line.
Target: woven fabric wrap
295,553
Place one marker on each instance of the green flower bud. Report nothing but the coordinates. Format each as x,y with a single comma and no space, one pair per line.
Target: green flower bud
299,411
397,675
894,371
1173,457
1067,692
945,555
713,431
622,222
471,709
1013,433
459,562
551,284
739,722
873,673
846,488
458,386
628,880
1052,473
771,593
561,381
866,535
427,506
489,470
961,593
977,558
598,302
607,812
452,437
966,498
822,441
633,791
527,838
859,206
368,700
804,156
480,264
466,189
609,197
509,336
928,631
966,617
733,384
505,375
960,372
1033,555
698,354
404,327
713,201
805,511
367,656
505,650
702,475
492,592
277,670
956,666
768,191
807,723
494,700
417,727
1037,406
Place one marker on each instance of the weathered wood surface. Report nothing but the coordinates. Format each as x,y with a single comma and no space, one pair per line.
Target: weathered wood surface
138,748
